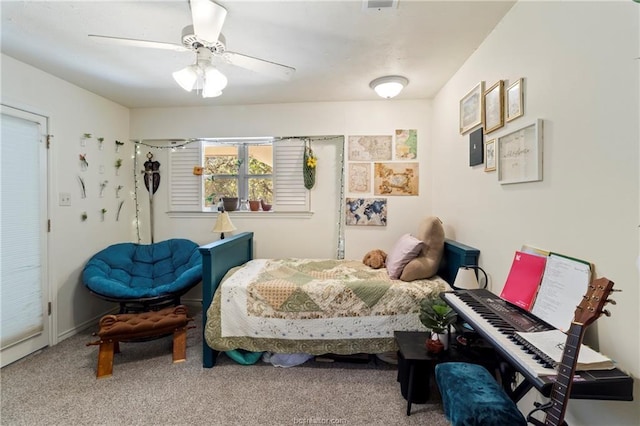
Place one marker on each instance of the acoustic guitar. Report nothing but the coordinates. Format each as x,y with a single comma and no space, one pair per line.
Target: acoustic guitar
589,310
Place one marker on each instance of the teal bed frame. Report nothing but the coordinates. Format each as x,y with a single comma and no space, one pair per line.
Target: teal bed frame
222,255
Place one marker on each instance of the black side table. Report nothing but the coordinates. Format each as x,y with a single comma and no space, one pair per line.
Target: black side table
415,366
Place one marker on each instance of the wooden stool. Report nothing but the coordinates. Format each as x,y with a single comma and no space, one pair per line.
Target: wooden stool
122,327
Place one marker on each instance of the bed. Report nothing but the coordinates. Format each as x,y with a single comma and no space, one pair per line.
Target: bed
259,326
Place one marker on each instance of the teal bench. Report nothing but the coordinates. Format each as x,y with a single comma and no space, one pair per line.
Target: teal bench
472,397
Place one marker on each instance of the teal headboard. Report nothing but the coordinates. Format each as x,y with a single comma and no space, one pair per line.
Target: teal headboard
217,258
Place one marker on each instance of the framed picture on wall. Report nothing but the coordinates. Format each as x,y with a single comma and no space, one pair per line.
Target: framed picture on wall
490,155
366,211
476,151
494,107
515,100
520,154
471,109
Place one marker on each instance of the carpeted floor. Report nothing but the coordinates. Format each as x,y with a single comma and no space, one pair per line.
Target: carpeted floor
58,386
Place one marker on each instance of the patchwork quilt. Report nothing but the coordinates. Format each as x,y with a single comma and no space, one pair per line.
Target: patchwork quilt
314,306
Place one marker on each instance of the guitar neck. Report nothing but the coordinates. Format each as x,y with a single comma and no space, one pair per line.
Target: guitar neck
566,370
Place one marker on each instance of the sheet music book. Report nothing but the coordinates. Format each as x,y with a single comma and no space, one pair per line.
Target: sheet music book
524,279
564,282
549,345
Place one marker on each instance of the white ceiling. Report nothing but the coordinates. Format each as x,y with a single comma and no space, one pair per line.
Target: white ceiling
337,47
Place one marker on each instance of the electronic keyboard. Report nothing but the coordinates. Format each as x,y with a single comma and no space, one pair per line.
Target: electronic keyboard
496,320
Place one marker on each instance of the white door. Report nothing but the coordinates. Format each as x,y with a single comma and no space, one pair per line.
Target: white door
24,297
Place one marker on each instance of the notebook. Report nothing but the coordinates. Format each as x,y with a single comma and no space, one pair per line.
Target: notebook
524,279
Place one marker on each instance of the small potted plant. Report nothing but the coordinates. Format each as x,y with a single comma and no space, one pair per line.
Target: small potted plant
83,139
230,203
84,164
103,185
437,316
100,141
254,202
118,165
119,145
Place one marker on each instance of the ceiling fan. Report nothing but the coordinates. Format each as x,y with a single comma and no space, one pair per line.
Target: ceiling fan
205,39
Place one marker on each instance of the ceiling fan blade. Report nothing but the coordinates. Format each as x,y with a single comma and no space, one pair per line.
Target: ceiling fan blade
139,43
261,66
208,18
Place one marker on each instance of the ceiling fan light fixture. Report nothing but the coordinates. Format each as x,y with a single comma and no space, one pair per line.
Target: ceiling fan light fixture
214,82
187,77
389,86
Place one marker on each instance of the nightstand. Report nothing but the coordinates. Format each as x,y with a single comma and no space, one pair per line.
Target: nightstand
415,366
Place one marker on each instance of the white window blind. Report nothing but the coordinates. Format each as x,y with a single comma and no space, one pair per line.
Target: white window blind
21,275
185,193
288,181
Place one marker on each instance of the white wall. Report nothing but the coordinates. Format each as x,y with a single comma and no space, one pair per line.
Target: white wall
280,235
581,78
73,111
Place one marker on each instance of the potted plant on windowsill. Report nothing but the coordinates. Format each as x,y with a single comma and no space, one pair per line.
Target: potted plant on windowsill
254,201
230,203
437,316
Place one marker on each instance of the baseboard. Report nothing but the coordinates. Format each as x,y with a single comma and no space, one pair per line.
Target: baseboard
195,303
92,322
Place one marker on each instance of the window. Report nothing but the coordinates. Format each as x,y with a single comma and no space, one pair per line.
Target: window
249,169
237,170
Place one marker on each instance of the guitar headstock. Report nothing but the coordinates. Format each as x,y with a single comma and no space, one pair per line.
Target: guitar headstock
590,308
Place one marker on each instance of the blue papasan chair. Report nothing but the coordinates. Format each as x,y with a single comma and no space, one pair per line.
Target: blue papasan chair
144,277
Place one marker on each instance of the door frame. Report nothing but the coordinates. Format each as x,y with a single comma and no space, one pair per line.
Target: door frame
22,349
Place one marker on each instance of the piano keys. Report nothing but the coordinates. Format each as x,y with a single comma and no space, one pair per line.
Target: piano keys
496,320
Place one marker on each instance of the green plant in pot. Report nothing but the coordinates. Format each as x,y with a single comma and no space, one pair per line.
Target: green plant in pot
437,316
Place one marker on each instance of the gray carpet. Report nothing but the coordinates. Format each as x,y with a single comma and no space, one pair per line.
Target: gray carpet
58,386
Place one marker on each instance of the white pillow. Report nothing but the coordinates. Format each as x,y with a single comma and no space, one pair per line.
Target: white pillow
407,248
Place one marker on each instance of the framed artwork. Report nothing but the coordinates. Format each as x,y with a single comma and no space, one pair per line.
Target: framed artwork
515,100
366,211
406,144
471,109
370,148
494,107
476,151
359,177
395,178
520,154
490,155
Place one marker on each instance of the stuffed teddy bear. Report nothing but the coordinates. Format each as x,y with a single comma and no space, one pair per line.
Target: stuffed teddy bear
375,259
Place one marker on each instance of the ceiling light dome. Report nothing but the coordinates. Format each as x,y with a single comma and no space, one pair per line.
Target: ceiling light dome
389,86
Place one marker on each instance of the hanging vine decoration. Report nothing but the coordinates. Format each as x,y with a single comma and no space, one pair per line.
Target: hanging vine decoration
309,164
